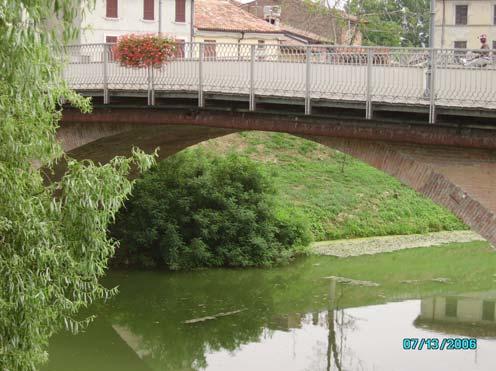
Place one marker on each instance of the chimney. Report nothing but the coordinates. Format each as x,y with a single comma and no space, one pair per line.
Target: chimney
272,14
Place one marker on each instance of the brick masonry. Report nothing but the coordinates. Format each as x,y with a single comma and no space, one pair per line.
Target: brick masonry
454,167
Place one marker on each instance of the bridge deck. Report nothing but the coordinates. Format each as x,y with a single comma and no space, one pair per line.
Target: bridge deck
364,76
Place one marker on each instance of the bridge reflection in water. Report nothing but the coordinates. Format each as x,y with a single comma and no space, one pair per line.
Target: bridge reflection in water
409,79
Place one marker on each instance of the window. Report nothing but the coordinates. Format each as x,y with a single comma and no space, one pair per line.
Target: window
494,14
261,44
451,308
488,310
461,12
210,49
112,8
181,11
149,10
494,44
111,39
460,45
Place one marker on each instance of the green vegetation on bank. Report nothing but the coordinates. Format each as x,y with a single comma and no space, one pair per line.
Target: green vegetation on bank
339,196
196,210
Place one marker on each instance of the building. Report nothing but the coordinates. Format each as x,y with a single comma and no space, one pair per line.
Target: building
113,18
221,21
333,25
459,23
224,22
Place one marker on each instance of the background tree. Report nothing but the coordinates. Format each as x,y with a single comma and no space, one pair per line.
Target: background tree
53,248
392,22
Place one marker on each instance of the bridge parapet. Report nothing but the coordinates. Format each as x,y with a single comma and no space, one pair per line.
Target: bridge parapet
407,77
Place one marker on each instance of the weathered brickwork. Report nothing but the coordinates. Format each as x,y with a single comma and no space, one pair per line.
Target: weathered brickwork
455,168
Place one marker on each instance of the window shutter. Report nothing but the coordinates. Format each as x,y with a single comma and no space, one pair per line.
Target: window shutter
149,9
112,9
180,10
111,39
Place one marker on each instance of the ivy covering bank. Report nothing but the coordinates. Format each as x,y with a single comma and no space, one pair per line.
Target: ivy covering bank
53,248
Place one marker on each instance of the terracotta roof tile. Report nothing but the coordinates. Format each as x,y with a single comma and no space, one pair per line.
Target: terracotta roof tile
222,15
287,29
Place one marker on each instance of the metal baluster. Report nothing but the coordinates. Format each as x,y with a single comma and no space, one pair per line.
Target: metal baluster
432,87
368,104
151,92
308,102
106,97
252,78
201,102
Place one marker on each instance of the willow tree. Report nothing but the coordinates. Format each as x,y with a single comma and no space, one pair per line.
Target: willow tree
53,240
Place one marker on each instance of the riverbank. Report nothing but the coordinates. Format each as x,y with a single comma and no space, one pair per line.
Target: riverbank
339,196
377,245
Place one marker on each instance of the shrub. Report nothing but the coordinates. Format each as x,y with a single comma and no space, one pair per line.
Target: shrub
144,50
196,210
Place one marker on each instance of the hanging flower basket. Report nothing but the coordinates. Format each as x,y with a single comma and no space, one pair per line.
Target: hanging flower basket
143,51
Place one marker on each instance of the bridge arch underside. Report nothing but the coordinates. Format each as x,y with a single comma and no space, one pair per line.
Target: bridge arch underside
458,177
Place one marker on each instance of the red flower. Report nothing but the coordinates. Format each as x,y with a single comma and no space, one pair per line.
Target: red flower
143,50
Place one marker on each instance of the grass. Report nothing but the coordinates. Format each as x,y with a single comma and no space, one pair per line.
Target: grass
338,195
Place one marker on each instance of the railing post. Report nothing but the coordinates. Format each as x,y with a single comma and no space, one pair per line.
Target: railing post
151,87
106,97
201,101
368,103
252,78
432,87
308,101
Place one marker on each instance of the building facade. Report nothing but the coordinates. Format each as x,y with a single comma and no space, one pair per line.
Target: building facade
113,18
336,26
460,23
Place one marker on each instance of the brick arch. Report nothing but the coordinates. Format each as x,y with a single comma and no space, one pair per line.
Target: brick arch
460,178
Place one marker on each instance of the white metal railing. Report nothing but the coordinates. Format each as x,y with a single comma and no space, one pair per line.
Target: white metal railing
409,76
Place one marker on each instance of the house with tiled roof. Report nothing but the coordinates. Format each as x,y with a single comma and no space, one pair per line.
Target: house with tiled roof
223,21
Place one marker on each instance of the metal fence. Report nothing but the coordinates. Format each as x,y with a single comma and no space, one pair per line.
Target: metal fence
408,76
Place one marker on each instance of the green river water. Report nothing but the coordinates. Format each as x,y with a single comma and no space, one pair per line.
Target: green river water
287,318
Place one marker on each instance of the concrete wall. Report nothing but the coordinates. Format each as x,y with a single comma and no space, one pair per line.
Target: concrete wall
237,38
480,20
96,26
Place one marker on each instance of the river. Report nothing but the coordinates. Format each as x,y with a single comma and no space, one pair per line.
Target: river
287,318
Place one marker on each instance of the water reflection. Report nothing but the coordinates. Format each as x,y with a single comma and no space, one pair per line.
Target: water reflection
291,319
471,315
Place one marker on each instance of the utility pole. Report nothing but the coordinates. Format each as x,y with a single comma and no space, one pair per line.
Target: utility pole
432,24
160,17
432,28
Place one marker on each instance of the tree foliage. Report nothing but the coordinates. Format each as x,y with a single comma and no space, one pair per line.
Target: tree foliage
53,241
392,22
198,210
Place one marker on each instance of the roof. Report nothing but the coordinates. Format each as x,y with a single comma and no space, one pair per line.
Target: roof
222,15
290,30
227,16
